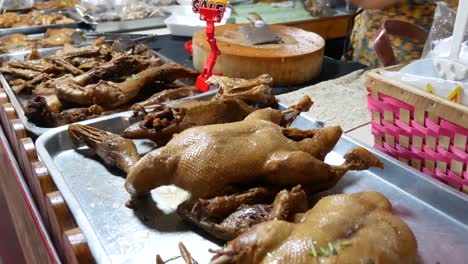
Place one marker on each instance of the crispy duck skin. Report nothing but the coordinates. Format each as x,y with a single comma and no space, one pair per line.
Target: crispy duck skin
111,95
245,210
356,228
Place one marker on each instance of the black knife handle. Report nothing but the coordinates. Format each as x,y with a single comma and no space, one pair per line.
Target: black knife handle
255,19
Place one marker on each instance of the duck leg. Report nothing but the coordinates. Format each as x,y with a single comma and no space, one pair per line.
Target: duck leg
317,142
163,97
222,206
288,169
111,95
241,211
290,114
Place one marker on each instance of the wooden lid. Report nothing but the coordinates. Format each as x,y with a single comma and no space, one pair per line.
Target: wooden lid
296,42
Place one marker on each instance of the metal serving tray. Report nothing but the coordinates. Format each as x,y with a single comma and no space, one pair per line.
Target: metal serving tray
19,100
40,29
96,196
22,50
123,25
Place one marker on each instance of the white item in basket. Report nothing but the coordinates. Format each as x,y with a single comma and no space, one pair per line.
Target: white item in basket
183,22
451,67
440,87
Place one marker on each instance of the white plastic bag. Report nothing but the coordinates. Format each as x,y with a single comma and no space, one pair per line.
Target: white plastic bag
421,73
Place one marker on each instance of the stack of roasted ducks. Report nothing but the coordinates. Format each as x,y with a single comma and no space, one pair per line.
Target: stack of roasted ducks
55,4
33,18
251,175
76,84
20,42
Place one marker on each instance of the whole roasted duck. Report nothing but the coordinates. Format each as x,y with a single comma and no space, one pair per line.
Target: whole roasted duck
356,228
214,160
230,104
76,84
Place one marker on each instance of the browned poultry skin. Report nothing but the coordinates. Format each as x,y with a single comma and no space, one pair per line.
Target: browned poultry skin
251,91
76,90
245,210
362,221
55,4
113,149
111,95
47,111
7,20
65,65
175,116
161,124
209,160
56,37
163,97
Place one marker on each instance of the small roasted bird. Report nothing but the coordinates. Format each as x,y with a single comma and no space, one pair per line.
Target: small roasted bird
356,228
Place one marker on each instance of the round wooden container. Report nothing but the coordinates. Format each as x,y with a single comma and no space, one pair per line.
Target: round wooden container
297,60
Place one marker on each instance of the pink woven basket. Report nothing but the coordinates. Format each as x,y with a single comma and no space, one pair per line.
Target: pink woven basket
424,131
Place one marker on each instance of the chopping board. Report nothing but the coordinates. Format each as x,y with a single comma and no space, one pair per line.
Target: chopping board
296,60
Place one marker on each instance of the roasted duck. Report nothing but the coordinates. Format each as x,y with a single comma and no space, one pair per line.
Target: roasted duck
55,4
33,18
111,95
229,105
254,91
214,160
356,228
76,84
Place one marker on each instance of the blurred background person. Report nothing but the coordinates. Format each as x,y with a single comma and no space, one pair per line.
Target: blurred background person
375,13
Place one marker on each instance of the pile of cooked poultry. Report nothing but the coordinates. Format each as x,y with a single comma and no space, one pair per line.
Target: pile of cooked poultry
250,175
20,42
76,84
33,18
55,4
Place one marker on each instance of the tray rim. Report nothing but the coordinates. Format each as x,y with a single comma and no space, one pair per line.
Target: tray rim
33,128
97,248
122,25
43,28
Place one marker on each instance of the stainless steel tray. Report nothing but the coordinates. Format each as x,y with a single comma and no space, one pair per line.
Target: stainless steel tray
123,25
96,196
39,36
18,101
40,29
